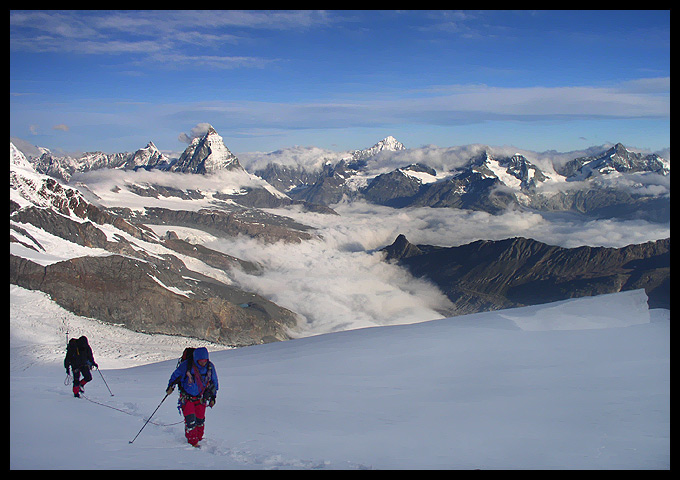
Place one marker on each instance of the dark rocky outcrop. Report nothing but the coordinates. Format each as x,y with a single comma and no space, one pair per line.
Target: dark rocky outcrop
238,221
162,296
490,275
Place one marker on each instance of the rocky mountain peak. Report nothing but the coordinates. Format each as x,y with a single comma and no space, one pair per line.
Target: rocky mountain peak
388,143
147,157
615,159
18,159
400,249
207,154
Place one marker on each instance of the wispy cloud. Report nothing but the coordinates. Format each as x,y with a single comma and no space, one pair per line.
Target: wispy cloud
453,105
215,62
163,37
257,73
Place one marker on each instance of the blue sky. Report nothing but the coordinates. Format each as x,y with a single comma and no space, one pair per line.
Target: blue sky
538,80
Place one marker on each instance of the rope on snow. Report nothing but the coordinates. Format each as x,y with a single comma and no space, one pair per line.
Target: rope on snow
128,413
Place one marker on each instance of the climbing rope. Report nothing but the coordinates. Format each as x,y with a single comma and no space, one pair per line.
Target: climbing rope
128,413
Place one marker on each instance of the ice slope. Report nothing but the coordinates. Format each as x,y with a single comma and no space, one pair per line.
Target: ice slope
579,384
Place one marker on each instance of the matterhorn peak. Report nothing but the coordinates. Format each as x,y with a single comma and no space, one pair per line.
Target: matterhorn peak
207,154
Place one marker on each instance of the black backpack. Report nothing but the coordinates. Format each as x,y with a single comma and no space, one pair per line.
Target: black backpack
85,350
72,353
187,354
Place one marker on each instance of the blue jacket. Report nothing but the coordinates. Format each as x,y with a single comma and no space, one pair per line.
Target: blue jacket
205,384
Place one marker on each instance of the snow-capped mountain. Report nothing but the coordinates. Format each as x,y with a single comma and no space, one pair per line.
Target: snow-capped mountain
29,188
334,180
17,159
387,144
475,185
63,168
148,157
127,204
398,187
107,265
493,183
616,159
207,154
485,181
515,172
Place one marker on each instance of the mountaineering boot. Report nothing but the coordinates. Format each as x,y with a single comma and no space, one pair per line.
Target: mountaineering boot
76,391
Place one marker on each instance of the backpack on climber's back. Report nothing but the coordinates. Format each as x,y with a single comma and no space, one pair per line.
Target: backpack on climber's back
72,354
187,354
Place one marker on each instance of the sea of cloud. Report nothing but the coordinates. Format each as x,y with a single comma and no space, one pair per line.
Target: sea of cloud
341,281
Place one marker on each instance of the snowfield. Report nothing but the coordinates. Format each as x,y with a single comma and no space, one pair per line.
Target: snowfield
578,384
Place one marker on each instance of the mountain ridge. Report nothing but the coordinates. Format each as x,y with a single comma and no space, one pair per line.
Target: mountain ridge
119,271
513,272
596,185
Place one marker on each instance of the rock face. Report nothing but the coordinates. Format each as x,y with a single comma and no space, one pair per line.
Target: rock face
127,275
159,297
491,275
397,188
239,221
145,292
207,154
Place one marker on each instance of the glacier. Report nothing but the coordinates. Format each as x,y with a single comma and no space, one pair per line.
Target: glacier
578,384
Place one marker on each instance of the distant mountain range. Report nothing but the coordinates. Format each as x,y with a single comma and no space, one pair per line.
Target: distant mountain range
89,241
609,184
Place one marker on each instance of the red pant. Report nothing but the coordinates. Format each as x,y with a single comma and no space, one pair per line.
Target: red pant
77,382
194,419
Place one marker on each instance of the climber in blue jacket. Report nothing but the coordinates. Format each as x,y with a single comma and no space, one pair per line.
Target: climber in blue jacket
197,380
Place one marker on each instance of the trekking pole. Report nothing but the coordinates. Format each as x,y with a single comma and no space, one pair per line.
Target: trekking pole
107,385
63,321
159,406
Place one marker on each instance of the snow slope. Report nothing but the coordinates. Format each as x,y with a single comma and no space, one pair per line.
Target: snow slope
579,384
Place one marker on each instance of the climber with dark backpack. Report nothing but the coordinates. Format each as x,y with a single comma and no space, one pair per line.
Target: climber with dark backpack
197,381
79,359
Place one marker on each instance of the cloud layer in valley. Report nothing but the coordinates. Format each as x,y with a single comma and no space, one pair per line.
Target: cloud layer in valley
341,282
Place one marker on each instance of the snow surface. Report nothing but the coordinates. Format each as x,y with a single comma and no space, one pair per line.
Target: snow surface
578,384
